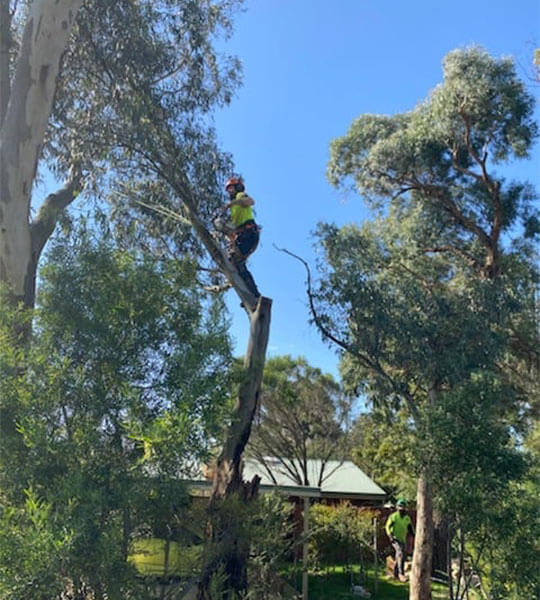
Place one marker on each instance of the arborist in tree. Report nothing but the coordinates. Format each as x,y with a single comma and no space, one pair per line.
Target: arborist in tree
245,236
398,525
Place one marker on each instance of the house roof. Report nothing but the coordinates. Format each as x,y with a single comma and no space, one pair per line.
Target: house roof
341,479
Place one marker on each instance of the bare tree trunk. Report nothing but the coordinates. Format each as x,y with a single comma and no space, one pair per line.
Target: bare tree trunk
420,588
227,549
26,114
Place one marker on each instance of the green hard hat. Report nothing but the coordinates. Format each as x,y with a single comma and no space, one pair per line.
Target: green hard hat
401,502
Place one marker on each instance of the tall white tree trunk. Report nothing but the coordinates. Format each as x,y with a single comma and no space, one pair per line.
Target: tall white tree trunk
27,112
5,26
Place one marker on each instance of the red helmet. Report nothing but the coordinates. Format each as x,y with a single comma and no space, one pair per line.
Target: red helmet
237,181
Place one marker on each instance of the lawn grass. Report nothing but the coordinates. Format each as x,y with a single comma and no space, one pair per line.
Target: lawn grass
334,583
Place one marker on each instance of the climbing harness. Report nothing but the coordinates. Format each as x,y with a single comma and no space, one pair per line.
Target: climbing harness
245,239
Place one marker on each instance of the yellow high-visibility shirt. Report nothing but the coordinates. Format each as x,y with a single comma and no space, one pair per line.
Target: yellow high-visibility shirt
397,526
241,214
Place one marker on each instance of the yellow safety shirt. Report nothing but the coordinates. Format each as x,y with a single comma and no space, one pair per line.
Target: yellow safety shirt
241,214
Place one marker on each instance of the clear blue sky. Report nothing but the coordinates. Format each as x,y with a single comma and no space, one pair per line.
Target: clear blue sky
311,67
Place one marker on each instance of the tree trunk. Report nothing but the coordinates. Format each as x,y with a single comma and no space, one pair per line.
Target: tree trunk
25,117
227,548
420,587
5,43
440,542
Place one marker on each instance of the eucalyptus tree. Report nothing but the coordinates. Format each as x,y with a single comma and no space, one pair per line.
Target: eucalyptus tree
456,236
410,337
303,414
28,84
127,118
68,69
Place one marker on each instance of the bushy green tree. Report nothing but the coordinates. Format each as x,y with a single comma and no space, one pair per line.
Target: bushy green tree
342,534
273,539
410,338
119,395
507,569
431,296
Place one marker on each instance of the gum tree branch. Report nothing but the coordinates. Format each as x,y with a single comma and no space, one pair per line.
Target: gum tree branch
373,365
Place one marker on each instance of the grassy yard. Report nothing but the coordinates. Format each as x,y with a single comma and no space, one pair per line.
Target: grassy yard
335,584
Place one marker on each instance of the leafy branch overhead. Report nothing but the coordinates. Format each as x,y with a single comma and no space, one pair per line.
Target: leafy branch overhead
119,108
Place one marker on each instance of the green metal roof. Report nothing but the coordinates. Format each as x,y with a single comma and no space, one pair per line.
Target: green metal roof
340,479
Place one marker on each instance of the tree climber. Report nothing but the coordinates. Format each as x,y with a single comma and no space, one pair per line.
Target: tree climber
245,236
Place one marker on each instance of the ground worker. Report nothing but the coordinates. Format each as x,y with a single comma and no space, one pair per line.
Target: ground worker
245,236
398,525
